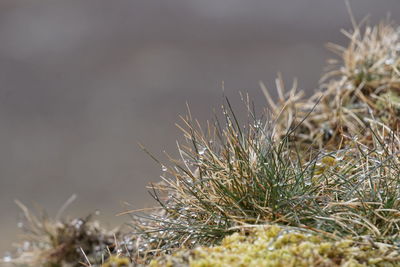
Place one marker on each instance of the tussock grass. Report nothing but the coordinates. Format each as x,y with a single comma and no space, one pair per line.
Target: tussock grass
327,163
235,176
363,84
226,176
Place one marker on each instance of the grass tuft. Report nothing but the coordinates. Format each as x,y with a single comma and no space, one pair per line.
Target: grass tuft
361,85
328,163
53,243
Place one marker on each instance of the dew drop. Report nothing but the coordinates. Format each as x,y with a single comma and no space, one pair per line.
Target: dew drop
7,258
389,61
163,168
77,223
202,150
257,124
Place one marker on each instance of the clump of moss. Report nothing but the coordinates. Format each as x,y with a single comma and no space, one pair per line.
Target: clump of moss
279,246
115,261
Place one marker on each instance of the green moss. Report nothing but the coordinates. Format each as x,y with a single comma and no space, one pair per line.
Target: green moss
276,246
115,261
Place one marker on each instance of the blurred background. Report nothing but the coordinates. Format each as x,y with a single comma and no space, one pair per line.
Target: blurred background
82,82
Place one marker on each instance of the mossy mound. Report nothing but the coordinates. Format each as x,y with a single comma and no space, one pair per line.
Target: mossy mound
278,246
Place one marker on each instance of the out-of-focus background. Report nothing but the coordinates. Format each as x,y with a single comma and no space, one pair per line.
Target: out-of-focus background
82,82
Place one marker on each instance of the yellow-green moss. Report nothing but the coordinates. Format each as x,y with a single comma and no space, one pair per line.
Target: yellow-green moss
276,246
115,261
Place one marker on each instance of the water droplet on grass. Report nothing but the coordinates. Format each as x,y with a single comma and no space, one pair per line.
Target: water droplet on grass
163,168
202,150
7,258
